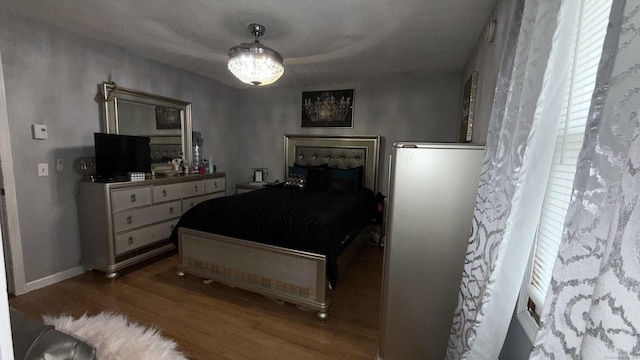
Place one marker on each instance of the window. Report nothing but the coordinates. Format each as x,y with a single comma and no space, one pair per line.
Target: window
585,56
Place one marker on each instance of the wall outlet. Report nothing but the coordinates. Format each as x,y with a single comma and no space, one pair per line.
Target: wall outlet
43,169
39,132
59,165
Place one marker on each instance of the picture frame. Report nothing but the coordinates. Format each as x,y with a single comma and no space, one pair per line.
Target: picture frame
258,176
327,108
167,118
468,107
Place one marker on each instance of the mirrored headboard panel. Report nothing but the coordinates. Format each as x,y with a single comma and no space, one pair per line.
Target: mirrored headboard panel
166,121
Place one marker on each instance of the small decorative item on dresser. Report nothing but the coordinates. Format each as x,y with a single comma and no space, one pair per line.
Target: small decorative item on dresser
86,166
212,167
136,176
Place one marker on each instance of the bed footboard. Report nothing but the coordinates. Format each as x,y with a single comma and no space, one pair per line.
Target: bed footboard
293,276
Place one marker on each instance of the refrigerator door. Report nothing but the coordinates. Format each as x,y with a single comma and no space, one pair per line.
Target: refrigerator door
432,193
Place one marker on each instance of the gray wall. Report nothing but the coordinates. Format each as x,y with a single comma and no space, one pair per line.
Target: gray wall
414,107
52,77
486,59
517,345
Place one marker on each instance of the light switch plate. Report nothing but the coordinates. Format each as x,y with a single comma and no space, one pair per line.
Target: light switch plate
39,131
43,169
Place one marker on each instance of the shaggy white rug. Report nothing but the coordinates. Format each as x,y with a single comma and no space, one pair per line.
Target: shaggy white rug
115,338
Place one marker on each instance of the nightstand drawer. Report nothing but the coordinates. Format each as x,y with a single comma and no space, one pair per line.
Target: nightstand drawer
132,219
132,240
247,187
177,191
130,198
214,185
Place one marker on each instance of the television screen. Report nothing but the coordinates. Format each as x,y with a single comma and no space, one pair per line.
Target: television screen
117,155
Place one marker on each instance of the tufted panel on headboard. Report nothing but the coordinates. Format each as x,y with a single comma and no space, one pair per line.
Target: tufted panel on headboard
342,152
341,158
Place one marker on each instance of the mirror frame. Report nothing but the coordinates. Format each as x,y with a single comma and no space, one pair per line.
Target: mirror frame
112,94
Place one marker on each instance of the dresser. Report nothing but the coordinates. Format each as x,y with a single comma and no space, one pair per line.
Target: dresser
124,223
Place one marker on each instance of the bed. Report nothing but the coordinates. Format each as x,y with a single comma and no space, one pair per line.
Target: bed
281,269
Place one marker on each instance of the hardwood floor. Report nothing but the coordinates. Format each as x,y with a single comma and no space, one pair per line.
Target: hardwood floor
219,322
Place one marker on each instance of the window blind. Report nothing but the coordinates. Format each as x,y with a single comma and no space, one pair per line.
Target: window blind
585,54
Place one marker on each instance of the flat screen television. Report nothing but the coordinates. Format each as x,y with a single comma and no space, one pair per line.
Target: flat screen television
118,155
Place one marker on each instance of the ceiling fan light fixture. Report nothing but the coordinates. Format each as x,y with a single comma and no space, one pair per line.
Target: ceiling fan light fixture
253,63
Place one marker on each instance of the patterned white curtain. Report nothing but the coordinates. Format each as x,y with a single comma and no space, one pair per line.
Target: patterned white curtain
592,310
520,142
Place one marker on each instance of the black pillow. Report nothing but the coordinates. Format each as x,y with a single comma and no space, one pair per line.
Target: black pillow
297,170
318,179
346,180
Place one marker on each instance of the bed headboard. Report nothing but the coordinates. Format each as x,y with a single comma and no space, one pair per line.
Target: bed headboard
343,152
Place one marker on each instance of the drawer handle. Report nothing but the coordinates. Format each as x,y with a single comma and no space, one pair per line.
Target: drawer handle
133,197
129,220
130,240
195,188
191,205
164,193
215,184
172,227
171,210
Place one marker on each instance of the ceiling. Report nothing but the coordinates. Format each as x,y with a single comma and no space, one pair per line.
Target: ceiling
321,41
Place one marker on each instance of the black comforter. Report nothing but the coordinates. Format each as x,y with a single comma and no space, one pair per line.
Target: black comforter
317,222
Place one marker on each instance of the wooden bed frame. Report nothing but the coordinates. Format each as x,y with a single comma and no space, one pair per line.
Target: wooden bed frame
293,276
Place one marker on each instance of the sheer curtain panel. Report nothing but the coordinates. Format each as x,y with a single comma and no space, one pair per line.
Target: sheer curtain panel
520,142
591,310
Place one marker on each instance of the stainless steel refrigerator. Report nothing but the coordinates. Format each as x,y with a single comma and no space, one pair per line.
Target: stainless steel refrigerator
432,193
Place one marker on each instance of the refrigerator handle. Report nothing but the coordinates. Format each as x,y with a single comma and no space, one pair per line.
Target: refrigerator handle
383,238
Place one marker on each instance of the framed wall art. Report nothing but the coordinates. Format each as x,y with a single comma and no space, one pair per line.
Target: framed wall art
330,108
167,118
468,107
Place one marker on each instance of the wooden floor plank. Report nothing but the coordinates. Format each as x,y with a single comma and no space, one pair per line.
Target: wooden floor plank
216,321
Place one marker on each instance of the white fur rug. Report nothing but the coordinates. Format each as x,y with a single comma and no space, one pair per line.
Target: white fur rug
115,338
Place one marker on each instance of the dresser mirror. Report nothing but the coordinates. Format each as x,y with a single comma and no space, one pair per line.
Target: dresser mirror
166,121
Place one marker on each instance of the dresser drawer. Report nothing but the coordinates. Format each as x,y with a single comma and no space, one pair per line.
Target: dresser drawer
131,219
191,202
177,191
132,240
214,185
130,198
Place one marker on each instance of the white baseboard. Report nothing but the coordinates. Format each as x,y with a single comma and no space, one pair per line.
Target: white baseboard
52,279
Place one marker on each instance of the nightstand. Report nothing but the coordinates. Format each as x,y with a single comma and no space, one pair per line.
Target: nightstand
246,187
